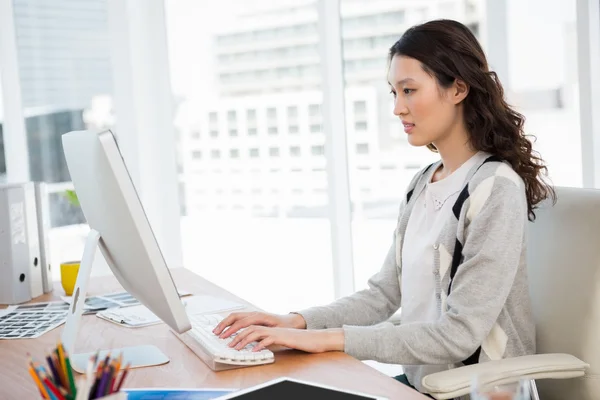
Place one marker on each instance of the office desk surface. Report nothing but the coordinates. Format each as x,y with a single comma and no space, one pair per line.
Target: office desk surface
185,369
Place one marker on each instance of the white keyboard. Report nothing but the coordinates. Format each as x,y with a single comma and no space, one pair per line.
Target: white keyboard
214,351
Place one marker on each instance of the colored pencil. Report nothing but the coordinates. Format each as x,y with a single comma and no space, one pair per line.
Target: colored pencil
73,389
53,369
123,375
52,388
38,382
61,359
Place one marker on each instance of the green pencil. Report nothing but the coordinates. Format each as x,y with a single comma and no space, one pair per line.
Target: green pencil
71,380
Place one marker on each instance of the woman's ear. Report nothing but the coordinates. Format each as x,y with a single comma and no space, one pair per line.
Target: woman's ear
460,90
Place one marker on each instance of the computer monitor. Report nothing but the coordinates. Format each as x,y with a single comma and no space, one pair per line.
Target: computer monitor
120,228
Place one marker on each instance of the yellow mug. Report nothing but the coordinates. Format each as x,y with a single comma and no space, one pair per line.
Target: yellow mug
68,276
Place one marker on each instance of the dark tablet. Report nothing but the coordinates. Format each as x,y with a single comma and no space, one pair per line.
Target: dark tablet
292,389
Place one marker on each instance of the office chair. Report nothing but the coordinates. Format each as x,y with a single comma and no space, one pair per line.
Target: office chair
564,282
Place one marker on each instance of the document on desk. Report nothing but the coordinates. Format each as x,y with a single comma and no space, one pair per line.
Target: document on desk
139,316
29,321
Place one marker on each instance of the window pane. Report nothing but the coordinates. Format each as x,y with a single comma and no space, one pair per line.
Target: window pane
259,62
66,83
549,96
381,162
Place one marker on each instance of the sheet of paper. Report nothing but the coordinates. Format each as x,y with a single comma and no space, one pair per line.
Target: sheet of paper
132,317
29,321
140,316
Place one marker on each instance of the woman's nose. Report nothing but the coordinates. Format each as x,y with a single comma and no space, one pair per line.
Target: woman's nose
400,108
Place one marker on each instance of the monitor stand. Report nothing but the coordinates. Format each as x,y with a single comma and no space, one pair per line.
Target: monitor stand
136,356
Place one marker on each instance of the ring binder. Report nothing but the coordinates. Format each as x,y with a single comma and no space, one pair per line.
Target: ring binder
20,268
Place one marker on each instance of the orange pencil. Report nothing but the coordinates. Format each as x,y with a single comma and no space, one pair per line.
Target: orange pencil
38,382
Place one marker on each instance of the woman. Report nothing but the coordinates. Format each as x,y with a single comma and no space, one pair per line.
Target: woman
457,262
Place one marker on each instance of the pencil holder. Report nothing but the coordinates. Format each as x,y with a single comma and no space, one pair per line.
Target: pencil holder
103,378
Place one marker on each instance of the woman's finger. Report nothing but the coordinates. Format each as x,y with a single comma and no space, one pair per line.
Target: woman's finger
230,319
263,344
251,337
240,335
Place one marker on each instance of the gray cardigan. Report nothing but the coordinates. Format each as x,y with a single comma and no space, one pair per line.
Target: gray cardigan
484,310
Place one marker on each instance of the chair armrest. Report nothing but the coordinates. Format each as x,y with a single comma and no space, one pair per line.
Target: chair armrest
457,382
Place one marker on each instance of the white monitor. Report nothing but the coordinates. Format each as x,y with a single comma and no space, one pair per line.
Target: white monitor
120,228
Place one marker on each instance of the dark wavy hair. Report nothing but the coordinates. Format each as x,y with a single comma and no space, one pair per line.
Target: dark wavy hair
448,51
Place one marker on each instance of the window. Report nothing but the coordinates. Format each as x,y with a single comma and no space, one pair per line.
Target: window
213,116
295,151
360,126
231,116
195,135
233,132
292,112
263,79
360,107
65,86
214,133
547,97
196,154
315,128
215,154
234,153
362,148
317,150
314,110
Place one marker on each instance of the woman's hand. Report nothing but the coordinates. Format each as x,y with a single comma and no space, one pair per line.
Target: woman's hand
236,321
311,341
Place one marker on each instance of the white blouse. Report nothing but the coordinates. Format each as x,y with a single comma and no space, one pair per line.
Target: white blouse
431,210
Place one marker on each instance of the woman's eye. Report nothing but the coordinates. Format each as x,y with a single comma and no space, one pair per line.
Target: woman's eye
393,93
408,91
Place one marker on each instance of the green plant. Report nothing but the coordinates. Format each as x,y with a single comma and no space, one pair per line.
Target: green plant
72,197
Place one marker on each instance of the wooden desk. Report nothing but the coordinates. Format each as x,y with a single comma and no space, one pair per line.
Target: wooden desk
185,369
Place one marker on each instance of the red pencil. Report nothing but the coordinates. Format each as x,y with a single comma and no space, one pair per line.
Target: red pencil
123,375
51,387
